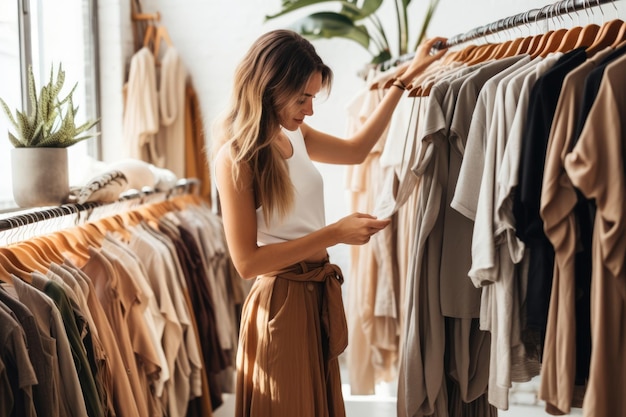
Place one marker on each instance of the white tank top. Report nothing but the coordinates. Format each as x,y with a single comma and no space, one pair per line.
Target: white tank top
307,214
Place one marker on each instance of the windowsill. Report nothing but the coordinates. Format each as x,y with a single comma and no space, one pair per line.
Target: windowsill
8,206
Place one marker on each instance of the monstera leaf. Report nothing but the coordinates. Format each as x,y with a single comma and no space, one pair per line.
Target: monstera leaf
355,20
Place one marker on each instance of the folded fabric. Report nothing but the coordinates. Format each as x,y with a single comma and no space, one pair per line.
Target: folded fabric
122,176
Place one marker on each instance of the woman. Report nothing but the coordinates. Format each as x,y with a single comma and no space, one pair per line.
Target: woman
293,323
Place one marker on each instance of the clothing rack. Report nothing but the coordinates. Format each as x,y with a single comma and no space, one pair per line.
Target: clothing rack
549,11
161,252
131,198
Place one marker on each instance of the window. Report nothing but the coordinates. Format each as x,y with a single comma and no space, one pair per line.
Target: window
45,33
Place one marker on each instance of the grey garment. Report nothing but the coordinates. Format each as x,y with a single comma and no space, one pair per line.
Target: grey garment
421,384
56,343
45,393
422,387
465,198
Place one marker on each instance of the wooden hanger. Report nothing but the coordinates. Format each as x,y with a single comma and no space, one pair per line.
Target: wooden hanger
499,50
27,247
539,43
71,244
621,44
551,44
483,55
524,46
38,249
533,45
513,47
114,224
418,86
460,55
154,35
570,39
381,81
587,36
23,262
385,79
9,267
6,269
162,34
148,37
91,234
156,211
24,258
621,36
606,36
50,250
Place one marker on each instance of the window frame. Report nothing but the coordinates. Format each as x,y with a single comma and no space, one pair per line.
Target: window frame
91,103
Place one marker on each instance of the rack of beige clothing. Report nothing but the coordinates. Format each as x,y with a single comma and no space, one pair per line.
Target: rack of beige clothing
127,308
163,123
502,172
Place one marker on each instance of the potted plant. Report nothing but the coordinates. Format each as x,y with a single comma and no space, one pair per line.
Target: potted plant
42,134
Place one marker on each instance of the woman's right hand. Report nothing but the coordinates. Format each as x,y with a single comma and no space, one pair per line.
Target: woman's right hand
424,56
357,228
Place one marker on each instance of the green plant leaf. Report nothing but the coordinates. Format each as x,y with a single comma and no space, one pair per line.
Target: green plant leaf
381,57
51,121
7,111
330,25
25,129
289,6
355,9
15,141
370,7
432,7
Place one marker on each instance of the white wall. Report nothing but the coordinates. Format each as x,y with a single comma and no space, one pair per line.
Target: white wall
212,36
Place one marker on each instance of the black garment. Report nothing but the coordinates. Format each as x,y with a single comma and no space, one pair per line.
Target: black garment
544,97
592,85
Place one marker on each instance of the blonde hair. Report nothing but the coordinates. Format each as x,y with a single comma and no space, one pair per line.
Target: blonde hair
274,72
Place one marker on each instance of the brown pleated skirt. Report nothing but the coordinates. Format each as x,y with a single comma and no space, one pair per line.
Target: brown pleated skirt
287,355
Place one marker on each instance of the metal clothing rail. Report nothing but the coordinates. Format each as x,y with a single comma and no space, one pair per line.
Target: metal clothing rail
549,11
137,197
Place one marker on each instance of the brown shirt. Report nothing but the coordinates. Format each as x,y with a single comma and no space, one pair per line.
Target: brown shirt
116,380
596,167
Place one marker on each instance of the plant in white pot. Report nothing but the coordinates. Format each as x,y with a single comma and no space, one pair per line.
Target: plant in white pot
42,135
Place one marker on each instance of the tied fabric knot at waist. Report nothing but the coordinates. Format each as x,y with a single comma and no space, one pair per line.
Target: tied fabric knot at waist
332,314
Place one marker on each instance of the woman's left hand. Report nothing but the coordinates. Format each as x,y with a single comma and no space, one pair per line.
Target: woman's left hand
425,55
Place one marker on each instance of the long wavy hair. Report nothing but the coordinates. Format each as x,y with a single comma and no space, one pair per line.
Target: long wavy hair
272,74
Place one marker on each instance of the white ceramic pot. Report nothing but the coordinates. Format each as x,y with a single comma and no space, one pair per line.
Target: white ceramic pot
40,176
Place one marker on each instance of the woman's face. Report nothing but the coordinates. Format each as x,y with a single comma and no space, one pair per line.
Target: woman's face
292,115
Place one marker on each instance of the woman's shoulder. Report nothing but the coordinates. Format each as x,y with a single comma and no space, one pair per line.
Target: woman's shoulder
303,130
223,162
222,157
